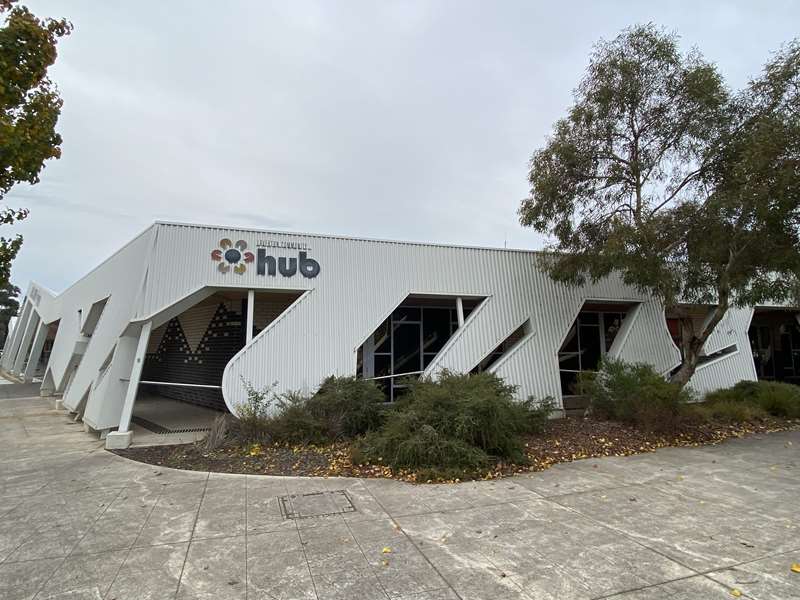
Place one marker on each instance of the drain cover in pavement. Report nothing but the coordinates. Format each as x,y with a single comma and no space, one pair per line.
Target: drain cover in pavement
316,504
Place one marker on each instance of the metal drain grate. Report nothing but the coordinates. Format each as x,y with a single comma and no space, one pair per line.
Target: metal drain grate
161,430
316,504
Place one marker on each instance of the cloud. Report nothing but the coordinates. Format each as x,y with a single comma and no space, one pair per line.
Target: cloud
410,120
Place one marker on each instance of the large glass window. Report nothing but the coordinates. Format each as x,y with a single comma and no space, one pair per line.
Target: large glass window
407,342
588,340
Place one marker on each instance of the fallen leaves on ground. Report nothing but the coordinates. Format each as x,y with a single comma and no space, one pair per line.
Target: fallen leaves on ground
564,440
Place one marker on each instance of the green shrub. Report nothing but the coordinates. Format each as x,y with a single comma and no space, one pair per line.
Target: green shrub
342,408
635,393
453,424
255,415
346,407
729,411
536,413
777,399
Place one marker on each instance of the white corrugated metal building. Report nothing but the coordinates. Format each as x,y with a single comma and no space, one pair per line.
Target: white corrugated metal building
195,311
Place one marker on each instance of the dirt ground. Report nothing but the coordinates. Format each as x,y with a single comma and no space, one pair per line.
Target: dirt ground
564,440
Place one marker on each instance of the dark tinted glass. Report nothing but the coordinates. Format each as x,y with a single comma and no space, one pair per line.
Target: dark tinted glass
568,381
407,313
590,347
381,338
406,349
383,365
435,328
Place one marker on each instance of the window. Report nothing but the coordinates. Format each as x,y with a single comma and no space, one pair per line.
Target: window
408,341
588,340
505,346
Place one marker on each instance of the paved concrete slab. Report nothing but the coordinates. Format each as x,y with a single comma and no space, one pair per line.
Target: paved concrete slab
79,522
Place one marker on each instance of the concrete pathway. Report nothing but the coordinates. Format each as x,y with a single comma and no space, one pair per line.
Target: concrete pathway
78,522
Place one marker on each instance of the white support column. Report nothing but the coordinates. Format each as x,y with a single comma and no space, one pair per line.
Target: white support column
251,301
36,351
27,338
123,436
460,311
22,321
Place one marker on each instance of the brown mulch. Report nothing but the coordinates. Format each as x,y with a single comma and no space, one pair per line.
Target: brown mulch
564,440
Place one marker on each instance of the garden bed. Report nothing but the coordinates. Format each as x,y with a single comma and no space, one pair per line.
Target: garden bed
563,440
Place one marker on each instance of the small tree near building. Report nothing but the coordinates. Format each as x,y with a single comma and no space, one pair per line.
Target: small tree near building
29,109
687,190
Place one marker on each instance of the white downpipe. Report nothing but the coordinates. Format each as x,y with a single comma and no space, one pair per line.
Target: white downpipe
251,300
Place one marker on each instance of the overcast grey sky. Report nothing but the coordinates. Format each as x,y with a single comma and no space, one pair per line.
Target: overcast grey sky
403,120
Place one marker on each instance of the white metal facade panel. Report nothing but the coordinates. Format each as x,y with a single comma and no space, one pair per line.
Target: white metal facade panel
730,368
169,267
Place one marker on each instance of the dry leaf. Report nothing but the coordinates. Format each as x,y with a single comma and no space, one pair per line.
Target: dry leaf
795,567
735,593
387,550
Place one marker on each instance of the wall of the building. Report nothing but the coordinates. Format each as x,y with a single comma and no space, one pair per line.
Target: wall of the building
169,268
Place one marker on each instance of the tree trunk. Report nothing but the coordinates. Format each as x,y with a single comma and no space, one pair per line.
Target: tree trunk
693,346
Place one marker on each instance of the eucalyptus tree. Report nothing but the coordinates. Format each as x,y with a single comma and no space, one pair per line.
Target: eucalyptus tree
659,172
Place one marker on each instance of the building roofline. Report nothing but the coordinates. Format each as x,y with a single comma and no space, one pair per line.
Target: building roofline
347,238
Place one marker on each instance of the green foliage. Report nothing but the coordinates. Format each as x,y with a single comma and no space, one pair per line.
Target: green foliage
453,425
775,398
9,305
657,172
634,393
256,414
342,408
729,411
347,406
29,108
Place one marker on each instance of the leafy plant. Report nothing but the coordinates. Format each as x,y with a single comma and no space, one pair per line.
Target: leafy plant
776,398
342,408
635,393
29,109
659,174
346,407
454,424
256,414
729,411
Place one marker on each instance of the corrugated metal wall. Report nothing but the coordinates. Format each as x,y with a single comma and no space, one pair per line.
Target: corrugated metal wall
731,368
359,284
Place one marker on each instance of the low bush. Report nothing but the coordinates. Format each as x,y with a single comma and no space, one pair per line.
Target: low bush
635,393
778,399
729,411
455,424
255,415
342,408
347,407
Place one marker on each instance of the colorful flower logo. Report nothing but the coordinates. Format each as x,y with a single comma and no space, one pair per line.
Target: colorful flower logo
229,254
